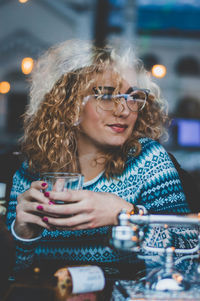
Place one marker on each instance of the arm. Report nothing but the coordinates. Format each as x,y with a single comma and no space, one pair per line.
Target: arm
162,193
24,251
25,243
161,190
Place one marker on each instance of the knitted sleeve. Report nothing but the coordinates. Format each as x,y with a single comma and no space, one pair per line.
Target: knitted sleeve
24,248
162,193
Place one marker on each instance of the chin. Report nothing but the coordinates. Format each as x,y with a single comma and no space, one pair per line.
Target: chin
116,144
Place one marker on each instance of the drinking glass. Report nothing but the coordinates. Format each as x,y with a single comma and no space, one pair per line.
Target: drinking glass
62,181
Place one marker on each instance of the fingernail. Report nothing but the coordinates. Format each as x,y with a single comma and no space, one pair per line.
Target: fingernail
45,219
40,207
44,184
46,194
51,203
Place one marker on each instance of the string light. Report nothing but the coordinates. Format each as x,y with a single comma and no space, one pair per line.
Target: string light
159,71
4,87
27,65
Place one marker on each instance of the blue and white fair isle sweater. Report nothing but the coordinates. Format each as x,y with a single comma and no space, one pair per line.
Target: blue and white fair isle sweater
150,180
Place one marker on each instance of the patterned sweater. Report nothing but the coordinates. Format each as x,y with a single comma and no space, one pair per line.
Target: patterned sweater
149,180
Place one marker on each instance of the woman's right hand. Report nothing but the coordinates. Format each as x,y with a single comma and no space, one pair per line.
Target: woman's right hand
28,222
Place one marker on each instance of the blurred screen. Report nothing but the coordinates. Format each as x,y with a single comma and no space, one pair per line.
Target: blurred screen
184,133
188,132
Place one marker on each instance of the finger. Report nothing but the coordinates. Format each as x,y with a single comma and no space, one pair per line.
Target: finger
28,207
33,194
35,208
68,222
36,220
61,210
39,185
70,195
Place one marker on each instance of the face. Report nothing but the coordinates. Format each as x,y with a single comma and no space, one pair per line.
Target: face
106,128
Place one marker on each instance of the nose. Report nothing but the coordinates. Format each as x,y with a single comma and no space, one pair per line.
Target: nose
121,108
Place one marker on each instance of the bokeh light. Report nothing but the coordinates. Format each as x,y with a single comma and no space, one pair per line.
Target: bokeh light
4,87
27,65
23,1
159,71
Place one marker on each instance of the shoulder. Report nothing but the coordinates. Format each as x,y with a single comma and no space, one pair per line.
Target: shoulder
24,172
23,177
150,145
153,161
151,151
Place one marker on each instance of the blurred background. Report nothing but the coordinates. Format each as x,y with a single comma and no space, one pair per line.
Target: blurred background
165,34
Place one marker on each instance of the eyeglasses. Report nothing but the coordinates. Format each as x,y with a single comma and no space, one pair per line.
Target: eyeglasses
135,98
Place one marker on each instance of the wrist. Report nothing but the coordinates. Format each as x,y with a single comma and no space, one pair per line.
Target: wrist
128,208
134,210
137,209
25,232
23,240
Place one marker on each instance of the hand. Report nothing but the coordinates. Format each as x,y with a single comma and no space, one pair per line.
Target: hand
87,209
28,222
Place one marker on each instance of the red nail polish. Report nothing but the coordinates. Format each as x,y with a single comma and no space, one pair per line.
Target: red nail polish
44,184
46,194
45,219
40,207
51,203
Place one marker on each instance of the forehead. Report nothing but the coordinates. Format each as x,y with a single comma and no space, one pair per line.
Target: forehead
113,77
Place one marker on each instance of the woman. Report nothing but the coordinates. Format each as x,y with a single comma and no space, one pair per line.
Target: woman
94,111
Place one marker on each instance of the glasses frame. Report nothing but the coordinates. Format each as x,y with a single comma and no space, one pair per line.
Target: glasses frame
118,96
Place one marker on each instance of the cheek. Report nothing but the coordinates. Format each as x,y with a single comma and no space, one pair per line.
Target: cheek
89,115
133,119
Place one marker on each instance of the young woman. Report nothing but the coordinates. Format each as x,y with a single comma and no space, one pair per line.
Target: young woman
94,111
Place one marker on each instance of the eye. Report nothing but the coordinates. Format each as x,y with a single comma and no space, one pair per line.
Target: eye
138,95
107,90
135,96
106,97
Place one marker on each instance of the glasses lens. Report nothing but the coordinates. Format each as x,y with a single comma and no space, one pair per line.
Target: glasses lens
136,100
105,102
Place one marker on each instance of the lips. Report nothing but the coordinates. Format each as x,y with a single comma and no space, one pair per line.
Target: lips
117,127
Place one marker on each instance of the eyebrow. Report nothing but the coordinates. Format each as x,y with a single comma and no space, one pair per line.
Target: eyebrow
103,89
109,89
130,89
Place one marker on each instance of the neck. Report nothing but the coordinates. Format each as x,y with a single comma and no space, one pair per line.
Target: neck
91,160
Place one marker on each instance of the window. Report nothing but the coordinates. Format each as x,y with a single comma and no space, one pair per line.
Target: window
149,60
16,107
188,66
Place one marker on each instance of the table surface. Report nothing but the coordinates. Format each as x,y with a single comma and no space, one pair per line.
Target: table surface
31,286
136,291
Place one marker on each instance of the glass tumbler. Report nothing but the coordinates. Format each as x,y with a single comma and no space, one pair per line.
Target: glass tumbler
62,181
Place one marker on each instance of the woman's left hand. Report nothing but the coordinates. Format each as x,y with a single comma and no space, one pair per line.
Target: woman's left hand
83,209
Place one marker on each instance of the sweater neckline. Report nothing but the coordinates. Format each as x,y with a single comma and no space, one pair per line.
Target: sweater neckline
90,182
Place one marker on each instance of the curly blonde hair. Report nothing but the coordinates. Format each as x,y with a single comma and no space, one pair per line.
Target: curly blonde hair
59,82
